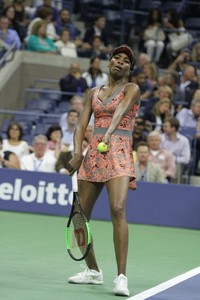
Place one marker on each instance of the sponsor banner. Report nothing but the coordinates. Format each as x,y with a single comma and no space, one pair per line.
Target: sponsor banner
51,193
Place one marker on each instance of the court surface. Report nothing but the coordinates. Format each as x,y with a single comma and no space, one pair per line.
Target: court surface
35,265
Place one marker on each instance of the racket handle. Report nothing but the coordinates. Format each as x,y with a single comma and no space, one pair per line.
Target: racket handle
74,182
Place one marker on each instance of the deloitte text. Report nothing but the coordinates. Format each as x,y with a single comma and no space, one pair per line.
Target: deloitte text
44,192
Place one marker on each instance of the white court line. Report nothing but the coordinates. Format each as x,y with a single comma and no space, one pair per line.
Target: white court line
165,285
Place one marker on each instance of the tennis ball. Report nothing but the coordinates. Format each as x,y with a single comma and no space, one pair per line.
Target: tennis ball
102,147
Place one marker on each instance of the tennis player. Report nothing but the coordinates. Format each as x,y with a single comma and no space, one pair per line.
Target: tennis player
114,106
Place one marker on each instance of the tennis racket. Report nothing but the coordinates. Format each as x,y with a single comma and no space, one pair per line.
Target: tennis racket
78,234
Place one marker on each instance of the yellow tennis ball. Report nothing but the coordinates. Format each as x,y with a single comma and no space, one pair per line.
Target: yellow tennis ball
102,147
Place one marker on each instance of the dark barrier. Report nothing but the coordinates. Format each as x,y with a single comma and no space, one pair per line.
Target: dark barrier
155,204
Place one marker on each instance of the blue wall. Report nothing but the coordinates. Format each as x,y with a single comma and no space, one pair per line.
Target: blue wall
151,203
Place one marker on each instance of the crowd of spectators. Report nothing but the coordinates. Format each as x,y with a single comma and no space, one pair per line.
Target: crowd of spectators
170,96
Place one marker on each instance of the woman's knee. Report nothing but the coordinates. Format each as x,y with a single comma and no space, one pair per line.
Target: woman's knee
118,211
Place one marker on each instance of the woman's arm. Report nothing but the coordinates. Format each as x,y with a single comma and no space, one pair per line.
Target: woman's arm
132,96
79,133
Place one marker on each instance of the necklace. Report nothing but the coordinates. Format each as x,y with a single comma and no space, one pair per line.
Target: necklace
116,87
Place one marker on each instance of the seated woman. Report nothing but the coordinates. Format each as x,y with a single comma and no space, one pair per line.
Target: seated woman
161,110
8,159
65,46
14,142
95,76
154,36
38,41
54,135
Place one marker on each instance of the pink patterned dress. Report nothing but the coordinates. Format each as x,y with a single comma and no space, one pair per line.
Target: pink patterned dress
118,161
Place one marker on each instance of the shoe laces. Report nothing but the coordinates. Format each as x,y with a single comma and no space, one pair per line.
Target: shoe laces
121,280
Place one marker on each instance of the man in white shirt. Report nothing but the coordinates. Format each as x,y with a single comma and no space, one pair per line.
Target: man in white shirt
40,160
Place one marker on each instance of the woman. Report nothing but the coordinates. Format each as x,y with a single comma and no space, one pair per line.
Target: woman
66,47
14,142
38,41
54,135
8,159
94,76
161,110
115,106
154,36
177,35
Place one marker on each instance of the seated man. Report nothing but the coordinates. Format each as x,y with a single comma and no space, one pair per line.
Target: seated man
40,160
161,156
146,170
177,144
73,82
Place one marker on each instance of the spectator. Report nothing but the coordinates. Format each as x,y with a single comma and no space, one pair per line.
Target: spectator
38,41
159,113
196,52
48,4
64,22
151,73
65,157
146,90
8,159
143,59
65,46
146,170
95,77
139,133
77,104
54,136
191,118
178,37
97,29
73,82
39,160
14,142
161,156
9,12
45,14
9,36
175,142
188,85
179,63
154,36
71,122
96,49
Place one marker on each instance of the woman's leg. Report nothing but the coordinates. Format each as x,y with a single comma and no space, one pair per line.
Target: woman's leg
117,191
150,46
88,194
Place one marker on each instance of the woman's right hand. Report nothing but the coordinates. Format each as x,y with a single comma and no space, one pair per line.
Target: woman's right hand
74,164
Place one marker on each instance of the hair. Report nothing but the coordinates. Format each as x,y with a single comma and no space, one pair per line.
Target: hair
154,133
63,30
52,128
97,17
1,139
195,101
63,9
18,126
159,103
44,12
167,89
174,74
174,122
150,17
72,111
153,69
194,52
142,144
40,137
37,26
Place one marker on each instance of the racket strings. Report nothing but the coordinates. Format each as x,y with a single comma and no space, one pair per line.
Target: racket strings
79,235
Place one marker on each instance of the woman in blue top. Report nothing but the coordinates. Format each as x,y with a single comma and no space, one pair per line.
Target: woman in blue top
38,41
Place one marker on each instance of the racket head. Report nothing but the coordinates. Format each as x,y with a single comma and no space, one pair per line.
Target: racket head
78,236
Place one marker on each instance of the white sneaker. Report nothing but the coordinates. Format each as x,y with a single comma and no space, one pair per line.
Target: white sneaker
89,276
121,286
